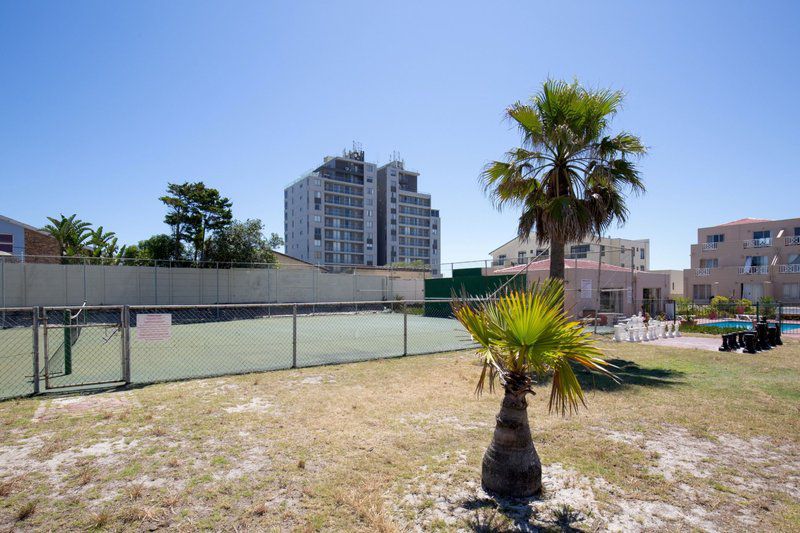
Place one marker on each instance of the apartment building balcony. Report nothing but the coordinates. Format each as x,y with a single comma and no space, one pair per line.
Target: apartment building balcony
792,240
703,271
710,246
789,269
757,243
754,270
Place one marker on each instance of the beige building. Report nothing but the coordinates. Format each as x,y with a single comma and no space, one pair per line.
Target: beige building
621,291
747,258
674,283
617,252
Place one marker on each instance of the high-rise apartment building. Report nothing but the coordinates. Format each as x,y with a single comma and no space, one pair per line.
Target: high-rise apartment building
348,212
409,231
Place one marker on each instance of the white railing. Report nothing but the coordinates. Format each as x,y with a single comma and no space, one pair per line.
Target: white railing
789,269
754,270
758,243
704,271
710,245
792,240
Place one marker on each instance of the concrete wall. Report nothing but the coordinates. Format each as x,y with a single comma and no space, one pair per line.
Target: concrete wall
29,284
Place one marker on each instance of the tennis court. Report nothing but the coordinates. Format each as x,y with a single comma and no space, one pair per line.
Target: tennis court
215,340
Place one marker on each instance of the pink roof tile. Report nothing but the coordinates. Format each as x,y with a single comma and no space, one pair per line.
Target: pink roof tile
745,221
568,263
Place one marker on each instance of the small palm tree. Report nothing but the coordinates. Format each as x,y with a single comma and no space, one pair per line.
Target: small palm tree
525,335
569,176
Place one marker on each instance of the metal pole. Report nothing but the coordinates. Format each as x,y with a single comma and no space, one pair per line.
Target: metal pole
155,282
35,329
294,336
85,298
3,280
633,280
599,270
126,344
405,329
46,358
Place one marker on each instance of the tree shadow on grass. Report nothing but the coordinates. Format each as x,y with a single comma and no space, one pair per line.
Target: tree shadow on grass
630,374
497,514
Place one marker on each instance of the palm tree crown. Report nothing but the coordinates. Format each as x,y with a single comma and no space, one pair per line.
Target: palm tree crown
526,334
569,176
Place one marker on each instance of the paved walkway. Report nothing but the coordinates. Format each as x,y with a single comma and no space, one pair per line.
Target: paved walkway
692,343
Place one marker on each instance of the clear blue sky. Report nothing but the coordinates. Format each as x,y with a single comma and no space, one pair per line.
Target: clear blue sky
102,103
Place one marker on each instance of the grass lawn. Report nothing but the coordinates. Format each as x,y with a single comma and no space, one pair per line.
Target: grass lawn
690,440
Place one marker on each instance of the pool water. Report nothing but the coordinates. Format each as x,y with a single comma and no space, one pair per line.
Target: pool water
785,328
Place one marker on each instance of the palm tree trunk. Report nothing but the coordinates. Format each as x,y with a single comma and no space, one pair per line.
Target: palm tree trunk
511,466
557,258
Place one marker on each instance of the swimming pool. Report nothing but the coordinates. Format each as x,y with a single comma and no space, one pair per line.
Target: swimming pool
785,328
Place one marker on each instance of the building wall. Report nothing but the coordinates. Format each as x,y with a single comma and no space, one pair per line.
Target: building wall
629,289
723,268
615,251
675,282
17,233
30,284
37,243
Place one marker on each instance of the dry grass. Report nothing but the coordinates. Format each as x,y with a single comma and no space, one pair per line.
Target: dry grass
691,440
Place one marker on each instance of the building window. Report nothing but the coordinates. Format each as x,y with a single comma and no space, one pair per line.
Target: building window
317,182
701,292
6,243
501,259
719,237
317,218
791,291
641,254
317,242
711,262
797,231
318,194
579,251
520,257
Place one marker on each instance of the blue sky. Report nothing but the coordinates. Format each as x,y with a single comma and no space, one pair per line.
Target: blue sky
103,103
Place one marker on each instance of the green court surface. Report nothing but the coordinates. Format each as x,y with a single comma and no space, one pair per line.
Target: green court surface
227,347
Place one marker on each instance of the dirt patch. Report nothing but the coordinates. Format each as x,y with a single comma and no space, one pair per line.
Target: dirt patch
760,464
568,501
255,405
77,406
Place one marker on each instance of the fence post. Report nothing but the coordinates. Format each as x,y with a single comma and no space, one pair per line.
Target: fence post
35,350
757,311
294,336
126,344
405,329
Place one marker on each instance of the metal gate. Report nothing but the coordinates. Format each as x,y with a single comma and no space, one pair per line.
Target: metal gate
84,346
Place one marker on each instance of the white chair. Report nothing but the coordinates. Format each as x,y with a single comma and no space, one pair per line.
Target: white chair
677,329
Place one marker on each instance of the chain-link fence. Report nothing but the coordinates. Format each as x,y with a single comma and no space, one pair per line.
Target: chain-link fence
56,348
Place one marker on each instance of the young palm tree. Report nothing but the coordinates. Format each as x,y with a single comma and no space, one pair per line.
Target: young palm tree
524,335
569,176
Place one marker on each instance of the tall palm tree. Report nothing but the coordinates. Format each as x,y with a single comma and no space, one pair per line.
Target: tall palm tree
569,176
71,233
525,335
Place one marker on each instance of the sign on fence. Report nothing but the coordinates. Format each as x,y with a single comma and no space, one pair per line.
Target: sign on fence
586,288
153,327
